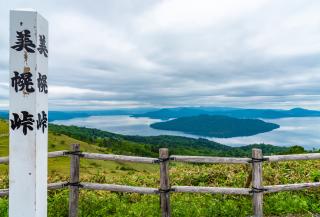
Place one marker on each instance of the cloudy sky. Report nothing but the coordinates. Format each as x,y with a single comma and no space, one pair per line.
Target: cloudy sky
163,53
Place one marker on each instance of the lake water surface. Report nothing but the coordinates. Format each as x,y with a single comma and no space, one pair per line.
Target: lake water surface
293,131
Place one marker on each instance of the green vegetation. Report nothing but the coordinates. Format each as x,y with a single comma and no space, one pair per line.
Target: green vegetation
149,145
216,126
100,204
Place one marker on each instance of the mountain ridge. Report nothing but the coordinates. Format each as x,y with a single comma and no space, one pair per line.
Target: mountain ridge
169,113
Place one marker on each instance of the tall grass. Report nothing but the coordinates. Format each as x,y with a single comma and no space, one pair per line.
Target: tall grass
99,203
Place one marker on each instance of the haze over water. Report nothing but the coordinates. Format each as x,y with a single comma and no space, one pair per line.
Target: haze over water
293,131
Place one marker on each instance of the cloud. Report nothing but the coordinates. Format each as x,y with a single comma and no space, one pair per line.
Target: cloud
109,54
4,91
180,15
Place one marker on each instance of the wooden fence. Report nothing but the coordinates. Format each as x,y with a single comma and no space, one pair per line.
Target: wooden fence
165,189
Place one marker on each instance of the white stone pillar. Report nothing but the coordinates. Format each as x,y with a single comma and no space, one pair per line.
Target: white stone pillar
28,114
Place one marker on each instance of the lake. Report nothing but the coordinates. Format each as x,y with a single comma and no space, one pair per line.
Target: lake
293,131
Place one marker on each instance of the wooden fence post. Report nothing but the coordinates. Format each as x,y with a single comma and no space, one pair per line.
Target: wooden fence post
74,181
164,182
257,197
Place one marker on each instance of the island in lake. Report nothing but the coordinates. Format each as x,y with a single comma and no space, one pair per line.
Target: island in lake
216,126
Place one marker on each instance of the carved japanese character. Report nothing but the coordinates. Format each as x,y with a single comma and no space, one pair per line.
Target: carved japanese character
42,121
24,42
42,46
26,122
22,82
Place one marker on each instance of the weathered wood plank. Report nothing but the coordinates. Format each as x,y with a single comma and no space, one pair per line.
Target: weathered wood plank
180,158
211,190
56,154
4,192
291,187
51,186
57,185
274,158
119,188
113,157
4,160
203,159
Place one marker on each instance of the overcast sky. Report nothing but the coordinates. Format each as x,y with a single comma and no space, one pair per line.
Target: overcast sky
151,53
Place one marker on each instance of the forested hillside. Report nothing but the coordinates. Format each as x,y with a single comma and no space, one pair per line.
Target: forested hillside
149,145
216,126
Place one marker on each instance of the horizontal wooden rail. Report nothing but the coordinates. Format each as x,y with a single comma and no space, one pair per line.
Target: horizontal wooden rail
179,158
118,188
5,160
57,185
275,158
291,187
211,190
233,160
179,189
113,157
203,159
51,186
4,192
57,154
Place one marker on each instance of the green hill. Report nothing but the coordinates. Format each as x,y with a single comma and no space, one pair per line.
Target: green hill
149,145
94,140
100,204
216,126
58,141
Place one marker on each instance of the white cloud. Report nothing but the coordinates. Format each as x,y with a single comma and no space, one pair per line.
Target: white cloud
250,53
63,92
191,15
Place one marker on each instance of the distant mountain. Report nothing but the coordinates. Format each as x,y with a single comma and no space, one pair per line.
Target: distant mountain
168,113
216,126
66,115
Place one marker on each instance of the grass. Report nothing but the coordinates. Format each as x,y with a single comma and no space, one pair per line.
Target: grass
100,204
60,166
